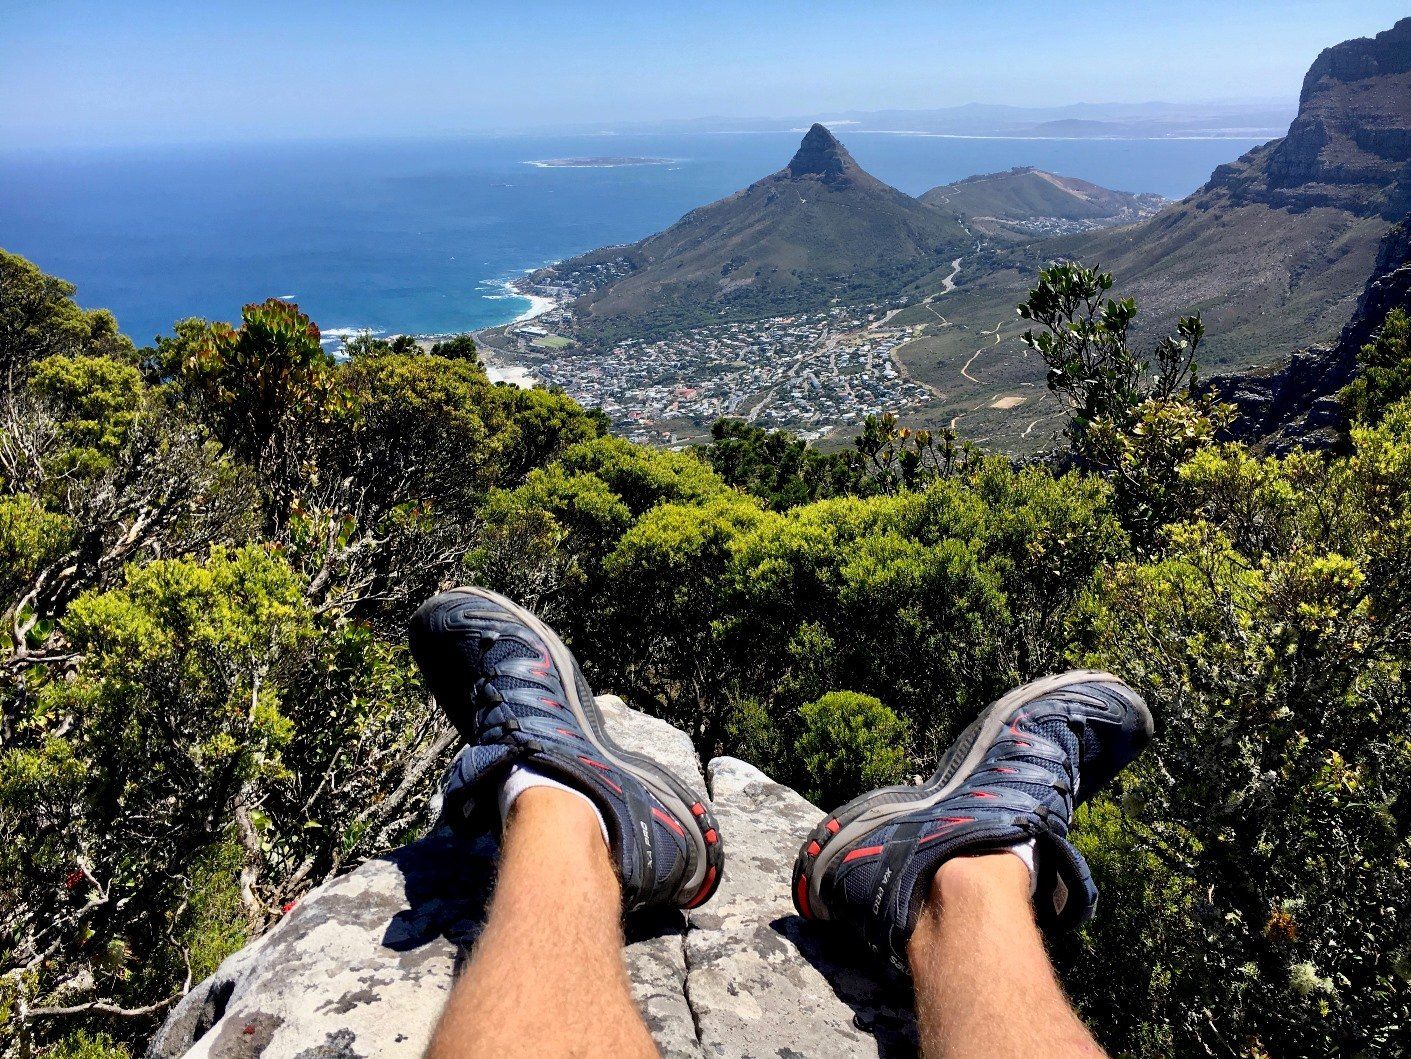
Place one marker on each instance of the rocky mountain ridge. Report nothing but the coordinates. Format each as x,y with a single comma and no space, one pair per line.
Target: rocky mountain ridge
1296,404
1274,251
819,229
1024,202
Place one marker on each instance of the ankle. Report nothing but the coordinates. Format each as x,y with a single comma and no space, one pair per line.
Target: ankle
987,876
565,812
553,840
970,889
523,779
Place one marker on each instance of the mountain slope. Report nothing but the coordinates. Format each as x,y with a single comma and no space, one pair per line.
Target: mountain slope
1277,246
1274,250
820,228
1024,200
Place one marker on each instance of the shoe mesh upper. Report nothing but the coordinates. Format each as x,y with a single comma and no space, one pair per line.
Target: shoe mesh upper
504,683
507,647
1057,731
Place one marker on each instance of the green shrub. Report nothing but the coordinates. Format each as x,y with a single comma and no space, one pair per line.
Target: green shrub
1259,862
82,1045
849,743
1385,375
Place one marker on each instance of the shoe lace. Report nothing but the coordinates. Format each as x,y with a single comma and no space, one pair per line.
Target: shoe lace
490,687
1018,748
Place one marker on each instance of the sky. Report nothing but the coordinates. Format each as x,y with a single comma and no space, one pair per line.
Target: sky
158,71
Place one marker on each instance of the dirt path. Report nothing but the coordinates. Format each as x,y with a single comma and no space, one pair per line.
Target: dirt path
965,371
947,285
1030,428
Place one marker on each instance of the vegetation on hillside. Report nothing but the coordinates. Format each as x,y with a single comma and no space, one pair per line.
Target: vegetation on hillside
209,548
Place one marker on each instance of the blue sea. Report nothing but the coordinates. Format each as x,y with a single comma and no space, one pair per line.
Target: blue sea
420,236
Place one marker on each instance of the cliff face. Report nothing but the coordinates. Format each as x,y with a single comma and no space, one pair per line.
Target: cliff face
1350,145
1275,252
1296,405
362,966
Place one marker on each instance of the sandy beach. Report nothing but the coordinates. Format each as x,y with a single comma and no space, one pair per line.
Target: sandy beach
538,304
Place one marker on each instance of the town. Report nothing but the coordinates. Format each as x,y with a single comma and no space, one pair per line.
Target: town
807,373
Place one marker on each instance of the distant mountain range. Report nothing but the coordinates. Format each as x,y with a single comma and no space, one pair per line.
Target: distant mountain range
1274,250
1153,120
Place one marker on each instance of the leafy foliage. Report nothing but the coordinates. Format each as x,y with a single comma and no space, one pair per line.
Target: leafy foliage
1262,844
38,319
850,742
208,551
1385,375
257,386
207,555
1135,419
776,466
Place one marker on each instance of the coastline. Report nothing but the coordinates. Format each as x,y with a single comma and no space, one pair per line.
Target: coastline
538,304
500,364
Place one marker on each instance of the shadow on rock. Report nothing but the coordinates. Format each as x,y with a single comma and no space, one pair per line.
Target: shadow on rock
880,999
447,882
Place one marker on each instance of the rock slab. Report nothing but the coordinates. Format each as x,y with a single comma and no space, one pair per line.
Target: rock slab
362,966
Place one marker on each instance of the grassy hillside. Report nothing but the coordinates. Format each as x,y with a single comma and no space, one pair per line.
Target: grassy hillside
1024,193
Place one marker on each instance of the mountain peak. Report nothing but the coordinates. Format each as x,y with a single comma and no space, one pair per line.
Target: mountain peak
821,155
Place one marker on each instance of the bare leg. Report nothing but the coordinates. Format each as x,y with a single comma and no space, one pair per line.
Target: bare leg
984,986
547,976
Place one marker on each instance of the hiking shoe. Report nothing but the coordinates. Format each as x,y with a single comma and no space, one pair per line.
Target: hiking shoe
517,696
1016,773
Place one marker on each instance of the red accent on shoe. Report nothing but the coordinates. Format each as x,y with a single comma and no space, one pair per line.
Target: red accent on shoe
552,704
801,891
601,768
983,794
814,849
568,732
948,822
705,889
666,819
711,837
1007,772
698,809
863,851
834,827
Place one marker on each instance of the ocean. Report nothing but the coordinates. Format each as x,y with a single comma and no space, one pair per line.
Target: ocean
421,236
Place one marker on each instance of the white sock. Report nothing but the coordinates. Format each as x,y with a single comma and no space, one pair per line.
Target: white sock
522,777
1027,851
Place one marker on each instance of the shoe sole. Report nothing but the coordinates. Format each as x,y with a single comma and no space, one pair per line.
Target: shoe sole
870,811
679,799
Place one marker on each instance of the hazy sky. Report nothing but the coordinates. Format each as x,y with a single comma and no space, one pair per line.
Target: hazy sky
135,71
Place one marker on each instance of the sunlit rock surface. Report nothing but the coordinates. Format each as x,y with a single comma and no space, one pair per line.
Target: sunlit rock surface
362,966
